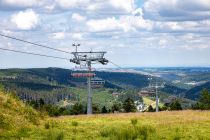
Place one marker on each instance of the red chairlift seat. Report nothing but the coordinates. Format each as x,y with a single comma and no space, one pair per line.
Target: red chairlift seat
79,75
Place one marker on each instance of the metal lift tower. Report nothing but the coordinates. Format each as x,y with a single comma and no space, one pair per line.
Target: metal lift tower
88,58
156,86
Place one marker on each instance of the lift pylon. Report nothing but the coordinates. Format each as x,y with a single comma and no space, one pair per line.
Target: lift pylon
88,58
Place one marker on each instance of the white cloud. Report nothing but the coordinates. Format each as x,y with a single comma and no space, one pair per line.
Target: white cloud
135,22
111,6
168,26
78,17
124,23
25,20
6,4
181,26
66,4
126,5
177,10
108,24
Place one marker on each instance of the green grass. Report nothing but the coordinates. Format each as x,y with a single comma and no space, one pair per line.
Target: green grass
163,125
19,121
16,118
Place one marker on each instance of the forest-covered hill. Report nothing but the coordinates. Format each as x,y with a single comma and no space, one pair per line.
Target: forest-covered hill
194,93
49,79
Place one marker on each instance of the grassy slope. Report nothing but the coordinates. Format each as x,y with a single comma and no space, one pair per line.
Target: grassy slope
18,121
16,118
163,125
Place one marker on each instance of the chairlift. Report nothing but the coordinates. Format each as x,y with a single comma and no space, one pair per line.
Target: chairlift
81,72
97,82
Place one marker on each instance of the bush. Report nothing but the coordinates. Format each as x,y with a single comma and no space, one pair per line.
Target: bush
52,110
116,107
77,109
175,105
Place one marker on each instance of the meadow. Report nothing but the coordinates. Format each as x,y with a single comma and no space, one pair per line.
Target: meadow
21,121
193,125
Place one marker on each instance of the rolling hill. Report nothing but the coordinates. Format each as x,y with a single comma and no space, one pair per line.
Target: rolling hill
195,92
50,78
56,83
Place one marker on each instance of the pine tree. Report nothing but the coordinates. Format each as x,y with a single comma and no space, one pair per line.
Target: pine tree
129,105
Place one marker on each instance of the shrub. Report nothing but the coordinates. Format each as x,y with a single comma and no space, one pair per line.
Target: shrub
77,109
52,110
116,107
175,105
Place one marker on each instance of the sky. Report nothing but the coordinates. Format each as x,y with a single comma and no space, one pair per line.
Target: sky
135,33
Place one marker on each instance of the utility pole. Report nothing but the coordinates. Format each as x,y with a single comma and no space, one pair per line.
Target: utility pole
87,58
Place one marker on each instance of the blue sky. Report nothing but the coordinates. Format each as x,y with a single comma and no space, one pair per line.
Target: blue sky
135,33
